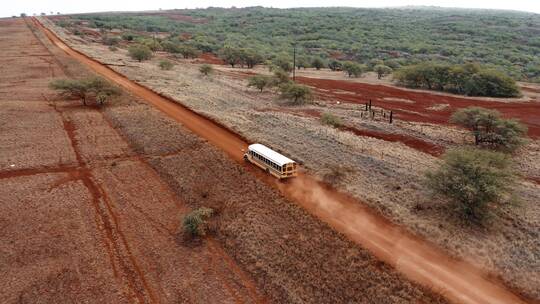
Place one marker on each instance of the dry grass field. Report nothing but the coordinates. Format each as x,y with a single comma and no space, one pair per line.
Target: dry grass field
385,174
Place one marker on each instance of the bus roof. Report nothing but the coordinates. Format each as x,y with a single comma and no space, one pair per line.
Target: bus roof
272,155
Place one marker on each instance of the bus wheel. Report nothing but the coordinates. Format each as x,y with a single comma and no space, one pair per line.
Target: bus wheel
267,170
245,158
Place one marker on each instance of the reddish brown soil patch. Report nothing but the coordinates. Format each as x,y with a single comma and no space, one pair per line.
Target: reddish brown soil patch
409,141
209,58
527,112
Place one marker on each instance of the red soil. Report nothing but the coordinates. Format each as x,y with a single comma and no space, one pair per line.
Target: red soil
409,141
210,59
418,110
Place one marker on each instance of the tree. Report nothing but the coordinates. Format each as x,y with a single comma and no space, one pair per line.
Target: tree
206,69
85,88
188,51
353,69
284,62
231,55
382,70
166,65
472,179
317,63
260,81
335,65
491,83
489,129
298,94
250,58
331,120
23,15
195,223
140,52
280,77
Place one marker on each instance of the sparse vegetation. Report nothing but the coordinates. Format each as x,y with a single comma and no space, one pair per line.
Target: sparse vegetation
296,94
140,52
108,40
317,63
353,69
473,180
166,65
490,130
206,69
260,82
83,89
195,223
331,120
382,70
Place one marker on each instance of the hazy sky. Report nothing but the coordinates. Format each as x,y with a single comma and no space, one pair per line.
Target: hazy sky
15,7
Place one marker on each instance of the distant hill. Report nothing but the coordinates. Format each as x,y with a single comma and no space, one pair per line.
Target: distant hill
508,40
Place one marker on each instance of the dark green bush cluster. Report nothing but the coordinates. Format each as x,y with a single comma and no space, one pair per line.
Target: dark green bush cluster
96,87
467,79
490,129
473,180
195,223
405,36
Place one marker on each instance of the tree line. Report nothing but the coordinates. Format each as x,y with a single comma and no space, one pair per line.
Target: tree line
463,79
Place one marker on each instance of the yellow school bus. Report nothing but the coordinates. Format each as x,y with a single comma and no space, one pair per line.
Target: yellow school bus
271,161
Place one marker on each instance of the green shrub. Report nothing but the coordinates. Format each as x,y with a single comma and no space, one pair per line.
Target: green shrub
166,65
353,69
140,52
331,120
206,69
260,82
489,129
467,79
382,70
473,181
107,40
195,223
296,94
85,88
317,63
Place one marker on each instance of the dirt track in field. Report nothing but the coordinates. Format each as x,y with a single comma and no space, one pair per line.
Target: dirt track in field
419,106
420,261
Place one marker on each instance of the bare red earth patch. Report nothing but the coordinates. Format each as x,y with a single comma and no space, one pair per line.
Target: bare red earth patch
419,110
409,141
210,59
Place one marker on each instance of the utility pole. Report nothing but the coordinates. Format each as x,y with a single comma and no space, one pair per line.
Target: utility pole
294,63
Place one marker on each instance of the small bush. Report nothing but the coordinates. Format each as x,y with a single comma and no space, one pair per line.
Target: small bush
382,70
490,130
280,77
472,180
206,69
140,52
166,65
195,223
111,40
331,120
296,94
260,82
112,48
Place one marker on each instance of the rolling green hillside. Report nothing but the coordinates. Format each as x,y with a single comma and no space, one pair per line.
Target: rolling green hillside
507,40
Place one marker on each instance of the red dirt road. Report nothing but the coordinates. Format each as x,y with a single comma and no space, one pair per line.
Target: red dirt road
417,105
417,259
